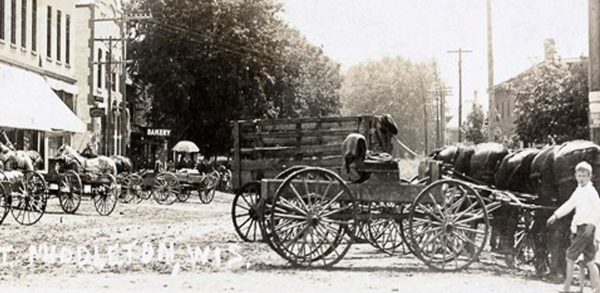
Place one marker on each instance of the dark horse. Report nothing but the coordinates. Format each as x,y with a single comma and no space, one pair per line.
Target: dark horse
546,173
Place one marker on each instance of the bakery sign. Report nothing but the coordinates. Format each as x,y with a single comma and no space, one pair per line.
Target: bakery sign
158,132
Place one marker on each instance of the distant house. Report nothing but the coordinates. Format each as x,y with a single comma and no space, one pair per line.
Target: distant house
506,98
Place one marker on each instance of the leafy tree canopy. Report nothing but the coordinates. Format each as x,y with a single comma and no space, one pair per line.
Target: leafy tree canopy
552,103
397,86
205,63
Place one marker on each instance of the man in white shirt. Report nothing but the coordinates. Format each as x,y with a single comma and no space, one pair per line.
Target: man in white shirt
584,239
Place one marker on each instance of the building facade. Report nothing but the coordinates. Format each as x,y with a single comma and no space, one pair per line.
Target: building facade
37,36
100,76
505,97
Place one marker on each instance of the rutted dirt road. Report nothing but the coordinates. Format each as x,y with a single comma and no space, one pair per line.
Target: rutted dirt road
193,247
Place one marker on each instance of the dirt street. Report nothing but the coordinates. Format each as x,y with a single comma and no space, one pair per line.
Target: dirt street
193,247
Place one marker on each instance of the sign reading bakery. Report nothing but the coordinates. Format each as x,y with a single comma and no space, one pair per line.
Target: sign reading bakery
158,132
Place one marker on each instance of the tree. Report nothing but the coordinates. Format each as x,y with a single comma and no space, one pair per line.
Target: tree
206,63
399,87
552,103
475,129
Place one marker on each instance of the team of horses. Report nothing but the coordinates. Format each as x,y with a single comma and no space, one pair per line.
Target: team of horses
546,172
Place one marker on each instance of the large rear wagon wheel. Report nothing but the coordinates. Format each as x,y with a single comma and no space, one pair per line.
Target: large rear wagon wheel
313,218
105,197
448,225
245,214
165,189
30,196
69,191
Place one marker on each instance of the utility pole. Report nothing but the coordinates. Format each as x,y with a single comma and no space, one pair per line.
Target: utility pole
491,92
594,70
122,23
440,94
425,120
460,52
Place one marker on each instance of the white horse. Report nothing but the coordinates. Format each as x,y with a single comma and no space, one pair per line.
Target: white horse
71,158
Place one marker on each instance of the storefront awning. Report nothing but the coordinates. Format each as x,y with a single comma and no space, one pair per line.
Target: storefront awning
27,102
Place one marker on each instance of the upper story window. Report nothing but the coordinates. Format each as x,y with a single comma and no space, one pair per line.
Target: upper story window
67,39
49,32
34,25
2,14
13,22
23,23
58,35
99,80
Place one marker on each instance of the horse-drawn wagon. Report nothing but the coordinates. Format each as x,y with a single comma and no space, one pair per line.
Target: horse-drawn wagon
23,190
72,176
311,215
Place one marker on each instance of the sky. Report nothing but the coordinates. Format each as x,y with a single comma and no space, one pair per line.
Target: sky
357,31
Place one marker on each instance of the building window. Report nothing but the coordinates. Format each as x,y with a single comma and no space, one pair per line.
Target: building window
113,81
49,33
99,81
34,25
2,19
13,22
23,23
108,72
67,39
58,35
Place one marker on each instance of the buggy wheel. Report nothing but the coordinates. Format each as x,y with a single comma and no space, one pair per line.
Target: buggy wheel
385,229
244,212
313,218
448,225
4,203
184,195
207,192
165,189
105,197
132,185
30,195
69,191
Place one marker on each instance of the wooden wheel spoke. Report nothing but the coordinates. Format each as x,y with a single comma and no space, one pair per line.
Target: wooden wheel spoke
335,211
428,211
298,196
468,229
288,204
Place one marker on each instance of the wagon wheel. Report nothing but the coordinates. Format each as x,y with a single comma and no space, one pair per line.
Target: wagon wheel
125,195
361,234
313,220
448,225
69,192
29,199
105,197
4,203
385,230
207,192
265,206
244,212
165,189
184,195
132,185
524,246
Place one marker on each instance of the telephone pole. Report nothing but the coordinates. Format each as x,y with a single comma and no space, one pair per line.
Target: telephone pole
460,52
491,92
121,21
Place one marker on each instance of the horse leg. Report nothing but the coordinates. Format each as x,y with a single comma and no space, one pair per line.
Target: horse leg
540,241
